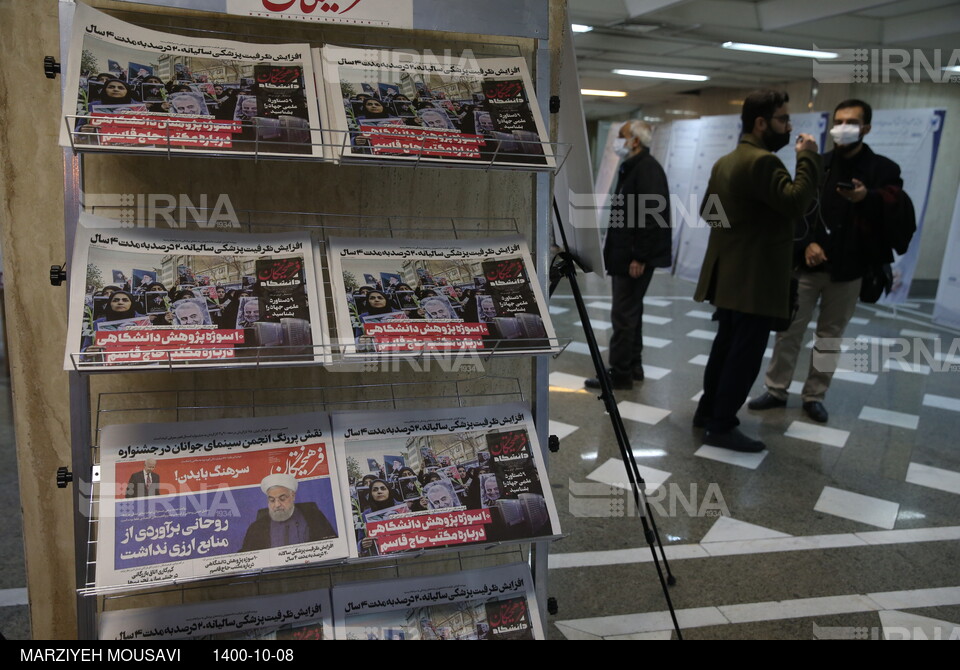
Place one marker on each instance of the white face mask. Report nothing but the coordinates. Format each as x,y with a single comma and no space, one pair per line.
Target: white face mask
620,147
845,133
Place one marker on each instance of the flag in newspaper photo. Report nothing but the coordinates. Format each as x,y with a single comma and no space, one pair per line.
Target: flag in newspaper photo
191,500
399,297
458,476
401,105
496,603
132,88
142,297
281,616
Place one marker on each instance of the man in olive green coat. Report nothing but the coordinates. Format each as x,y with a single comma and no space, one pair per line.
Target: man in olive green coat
752,206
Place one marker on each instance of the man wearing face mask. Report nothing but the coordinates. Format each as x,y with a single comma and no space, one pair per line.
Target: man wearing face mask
838,239
639,240
752,206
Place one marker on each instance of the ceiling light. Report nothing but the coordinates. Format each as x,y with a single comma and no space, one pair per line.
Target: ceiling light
780,51
580,28
662,75
609,94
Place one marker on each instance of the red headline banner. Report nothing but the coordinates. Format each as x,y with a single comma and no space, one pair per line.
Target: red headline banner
410,140
427,522
165,130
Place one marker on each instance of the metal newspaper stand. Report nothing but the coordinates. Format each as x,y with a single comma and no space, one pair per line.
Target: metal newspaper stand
529,20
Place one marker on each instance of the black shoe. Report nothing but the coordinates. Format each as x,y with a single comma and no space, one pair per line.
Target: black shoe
766,401
638,374
816,411
734,440
618,382
699,421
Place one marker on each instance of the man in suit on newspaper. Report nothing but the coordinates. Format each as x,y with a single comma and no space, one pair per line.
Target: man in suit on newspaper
144,482
284,521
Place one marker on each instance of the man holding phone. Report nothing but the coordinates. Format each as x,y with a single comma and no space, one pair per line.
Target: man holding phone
839,237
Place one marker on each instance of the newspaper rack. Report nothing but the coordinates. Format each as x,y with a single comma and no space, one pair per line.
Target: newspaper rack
85,410
188,404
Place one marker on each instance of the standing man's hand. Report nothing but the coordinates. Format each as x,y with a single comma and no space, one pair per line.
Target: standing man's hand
856,195
636,269
814,255
806,143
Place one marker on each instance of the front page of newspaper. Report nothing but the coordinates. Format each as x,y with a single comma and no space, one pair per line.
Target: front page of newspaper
401,297
442,478
487,604
132,88
141,297
191,500
439,108
282,616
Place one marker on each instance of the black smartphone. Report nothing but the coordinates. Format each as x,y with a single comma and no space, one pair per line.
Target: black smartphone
845,186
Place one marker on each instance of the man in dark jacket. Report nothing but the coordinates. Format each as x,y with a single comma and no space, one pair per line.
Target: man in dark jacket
639,240
839,238
747,267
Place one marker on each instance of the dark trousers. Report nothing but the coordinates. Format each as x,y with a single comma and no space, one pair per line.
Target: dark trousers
626,345
734,364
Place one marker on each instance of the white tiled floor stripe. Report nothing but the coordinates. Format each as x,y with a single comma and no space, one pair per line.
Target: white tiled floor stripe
615,474
556,310
889,418
700,314
648,622
567,381
643,413
905,366
749,461
653,372
700,334
934,478
11,597
700,359
656,320
857,507
656,342
600,304
859,320
598,324
657,302
831,437
697,397
561,429
923,334
581,348
855,377
941,402
728,529
898,625
947,358
681,552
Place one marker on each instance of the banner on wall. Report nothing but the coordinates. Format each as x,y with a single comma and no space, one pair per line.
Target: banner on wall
910,138
946,310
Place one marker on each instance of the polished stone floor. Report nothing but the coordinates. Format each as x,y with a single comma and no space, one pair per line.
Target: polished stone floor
848,529
844,530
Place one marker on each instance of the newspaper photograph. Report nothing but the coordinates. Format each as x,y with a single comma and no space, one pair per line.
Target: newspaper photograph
283,616
457,476
401,297
192,500
488,604
141,297
404,105
132,88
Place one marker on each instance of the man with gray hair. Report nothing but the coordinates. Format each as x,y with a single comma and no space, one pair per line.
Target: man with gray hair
638,240
283,521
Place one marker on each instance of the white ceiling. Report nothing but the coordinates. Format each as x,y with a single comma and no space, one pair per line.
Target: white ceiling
685,36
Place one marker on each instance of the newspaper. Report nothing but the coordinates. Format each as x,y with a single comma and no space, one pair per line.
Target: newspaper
442,108
132,88
283,616
191,500
488,604
144,297
401,297
442,478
